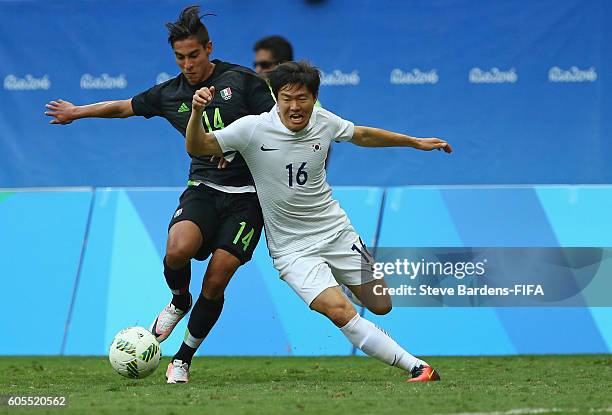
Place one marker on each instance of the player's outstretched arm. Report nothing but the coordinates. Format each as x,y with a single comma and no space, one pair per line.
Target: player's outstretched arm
376,137
64,112
198,141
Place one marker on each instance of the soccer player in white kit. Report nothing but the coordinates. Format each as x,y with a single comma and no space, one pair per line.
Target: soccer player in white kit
310,238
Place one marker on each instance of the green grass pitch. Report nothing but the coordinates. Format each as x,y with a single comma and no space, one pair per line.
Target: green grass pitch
318,385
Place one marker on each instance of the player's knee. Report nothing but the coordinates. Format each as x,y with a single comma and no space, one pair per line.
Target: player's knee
214,288
184,240
340,314
178,254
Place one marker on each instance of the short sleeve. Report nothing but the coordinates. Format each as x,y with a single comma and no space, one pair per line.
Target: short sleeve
237,135
148,103
259,96
342,130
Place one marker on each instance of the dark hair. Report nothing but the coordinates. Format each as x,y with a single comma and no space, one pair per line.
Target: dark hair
188,24
295,73
279,47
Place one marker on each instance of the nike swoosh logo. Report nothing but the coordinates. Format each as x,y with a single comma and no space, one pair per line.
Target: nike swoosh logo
267,149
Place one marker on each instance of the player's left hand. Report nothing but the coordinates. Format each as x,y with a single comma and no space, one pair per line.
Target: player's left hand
428,144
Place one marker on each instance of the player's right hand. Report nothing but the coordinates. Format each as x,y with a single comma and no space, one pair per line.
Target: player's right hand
202,98
61,111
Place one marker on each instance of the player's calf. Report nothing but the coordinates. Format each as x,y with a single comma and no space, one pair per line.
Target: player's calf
184,239
372,296
219,272
203,317
375,342
381,306
368,337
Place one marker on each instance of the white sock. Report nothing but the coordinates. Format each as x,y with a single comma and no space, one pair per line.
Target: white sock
376,343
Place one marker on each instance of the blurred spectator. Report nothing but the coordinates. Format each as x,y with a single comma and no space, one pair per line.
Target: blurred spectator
270,52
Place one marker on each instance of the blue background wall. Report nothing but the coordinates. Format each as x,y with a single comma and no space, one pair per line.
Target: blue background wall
520,88
527,129
121,283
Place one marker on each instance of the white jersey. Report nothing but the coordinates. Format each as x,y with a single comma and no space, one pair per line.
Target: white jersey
289,173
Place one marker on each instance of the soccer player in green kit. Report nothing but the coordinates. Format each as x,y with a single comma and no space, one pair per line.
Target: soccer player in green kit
218,213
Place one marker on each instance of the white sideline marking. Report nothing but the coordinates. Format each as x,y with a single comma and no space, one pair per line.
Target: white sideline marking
528,411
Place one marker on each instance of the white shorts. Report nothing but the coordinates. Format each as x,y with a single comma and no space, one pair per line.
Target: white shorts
341,259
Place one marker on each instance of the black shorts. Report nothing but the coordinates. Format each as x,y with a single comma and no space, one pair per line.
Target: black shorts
230,221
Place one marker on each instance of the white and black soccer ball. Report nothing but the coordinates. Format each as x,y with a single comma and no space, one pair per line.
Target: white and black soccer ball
134,353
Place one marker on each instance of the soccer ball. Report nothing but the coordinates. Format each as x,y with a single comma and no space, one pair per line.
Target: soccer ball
134,353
